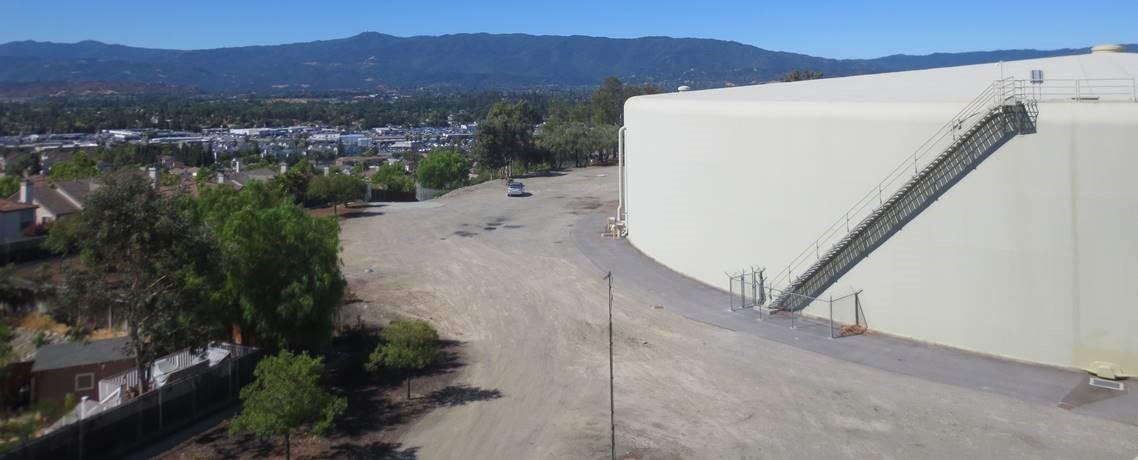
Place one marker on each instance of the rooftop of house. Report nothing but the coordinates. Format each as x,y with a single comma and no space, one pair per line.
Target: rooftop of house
71,354
7,205
59,198
78,189
245,177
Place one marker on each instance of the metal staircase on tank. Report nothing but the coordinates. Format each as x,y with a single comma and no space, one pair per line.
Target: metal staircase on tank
997,115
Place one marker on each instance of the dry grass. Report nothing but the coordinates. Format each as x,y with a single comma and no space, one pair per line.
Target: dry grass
100,334
42,322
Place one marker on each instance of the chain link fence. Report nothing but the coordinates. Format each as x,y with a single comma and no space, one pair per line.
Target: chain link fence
149,417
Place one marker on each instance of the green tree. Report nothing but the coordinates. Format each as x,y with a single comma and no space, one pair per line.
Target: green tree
409,345
78,167
603,140
146,255
63,235
7,353
294,182
203,175
168,179
577,141
280,279
18,430
9,185
801,75
7,357
505,134
23,165
285,397
359,169
608,102
336,189
393,178
442,169
11,294
639,90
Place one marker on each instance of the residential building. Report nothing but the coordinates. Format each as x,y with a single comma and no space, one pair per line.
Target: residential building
54,200
77,367
15,218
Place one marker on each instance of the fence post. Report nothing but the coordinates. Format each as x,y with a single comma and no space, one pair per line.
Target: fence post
229,394
857,310
763,286
755,297
194,396
79,432
794,317
731,292
743,289
831,317
141,413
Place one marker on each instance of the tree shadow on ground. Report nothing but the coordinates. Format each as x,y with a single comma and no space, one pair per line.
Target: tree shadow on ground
226,447
358,214
550,173
458,395
375,450
378,410
450,358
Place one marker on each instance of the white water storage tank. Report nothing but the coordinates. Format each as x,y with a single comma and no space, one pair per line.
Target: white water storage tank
1029,256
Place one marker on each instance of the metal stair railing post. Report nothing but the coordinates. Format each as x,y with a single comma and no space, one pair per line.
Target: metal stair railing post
730,291
861,205
1002,99
831,317
989,97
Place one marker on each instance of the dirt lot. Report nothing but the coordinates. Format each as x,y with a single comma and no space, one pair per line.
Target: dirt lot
503,277
378,416
507,285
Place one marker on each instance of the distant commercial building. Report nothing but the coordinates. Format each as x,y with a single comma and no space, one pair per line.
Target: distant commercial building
257,132
403,146
181,140
324,138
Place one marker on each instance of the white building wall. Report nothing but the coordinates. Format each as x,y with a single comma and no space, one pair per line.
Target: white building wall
1029,257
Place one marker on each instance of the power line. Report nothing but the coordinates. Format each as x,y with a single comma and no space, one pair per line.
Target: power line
612,403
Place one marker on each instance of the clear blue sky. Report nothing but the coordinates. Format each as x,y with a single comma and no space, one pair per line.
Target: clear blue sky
841,29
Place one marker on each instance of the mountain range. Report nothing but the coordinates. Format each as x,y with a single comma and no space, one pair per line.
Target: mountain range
373,61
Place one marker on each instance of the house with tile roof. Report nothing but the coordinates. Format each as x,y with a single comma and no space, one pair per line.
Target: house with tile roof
54,200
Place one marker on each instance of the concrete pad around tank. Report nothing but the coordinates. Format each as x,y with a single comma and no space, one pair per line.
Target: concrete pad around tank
1065,388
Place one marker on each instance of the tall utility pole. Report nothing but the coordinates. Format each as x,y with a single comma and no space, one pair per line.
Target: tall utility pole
612,404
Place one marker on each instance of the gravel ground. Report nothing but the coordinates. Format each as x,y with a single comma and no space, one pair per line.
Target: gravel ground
503,277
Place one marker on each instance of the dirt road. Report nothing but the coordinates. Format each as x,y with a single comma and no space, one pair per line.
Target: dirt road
503,276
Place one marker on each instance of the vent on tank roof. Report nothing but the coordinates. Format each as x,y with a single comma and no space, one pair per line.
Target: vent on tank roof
1107,48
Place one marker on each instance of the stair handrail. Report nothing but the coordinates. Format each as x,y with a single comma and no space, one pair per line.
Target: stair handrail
995,94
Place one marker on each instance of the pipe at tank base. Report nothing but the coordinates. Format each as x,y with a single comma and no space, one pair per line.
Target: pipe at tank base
620,175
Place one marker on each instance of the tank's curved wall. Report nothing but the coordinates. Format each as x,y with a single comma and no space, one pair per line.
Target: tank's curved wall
1030,256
